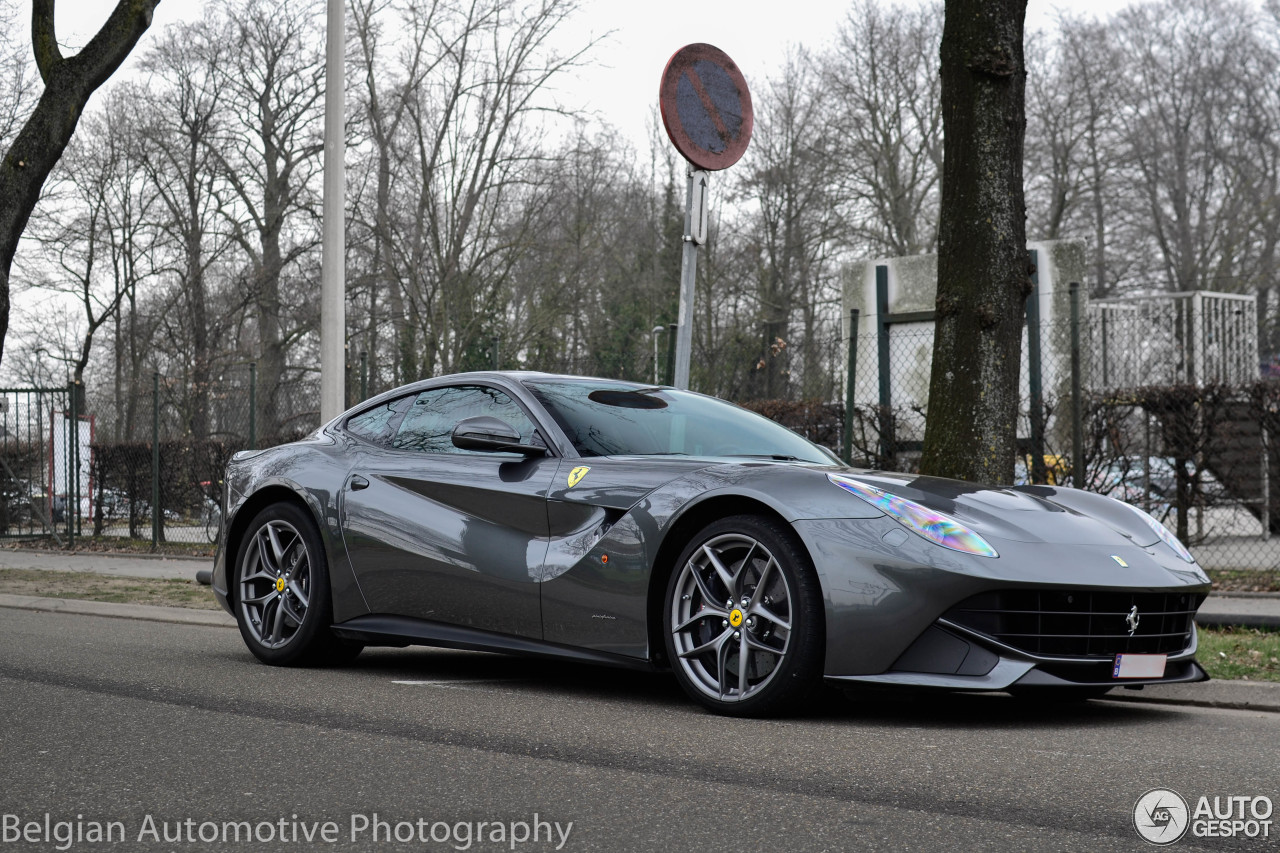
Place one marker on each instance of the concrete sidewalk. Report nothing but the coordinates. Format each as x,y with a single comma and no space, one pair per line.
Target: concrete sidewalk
1241,609
119,565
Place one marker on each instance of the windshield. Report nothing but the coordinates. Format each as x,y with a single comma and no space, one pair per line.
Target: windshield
618,419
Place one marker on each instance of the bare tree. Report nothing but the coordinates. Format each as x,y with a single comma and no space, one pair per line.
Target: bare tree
466,194
17,76
181,126
267,142
1182,106
982,253
95,231
386,95
881,78
69,81
793,174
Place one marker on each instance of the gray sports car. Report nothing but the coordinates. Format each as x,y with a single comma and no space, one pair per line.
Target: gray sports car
616,523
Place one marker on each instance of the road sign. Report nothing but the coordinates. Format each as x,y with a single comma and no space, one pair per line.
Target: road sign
706,106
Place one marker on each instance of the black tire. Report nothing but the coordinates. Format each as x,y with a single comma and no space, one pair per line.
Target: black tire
763,630
281,591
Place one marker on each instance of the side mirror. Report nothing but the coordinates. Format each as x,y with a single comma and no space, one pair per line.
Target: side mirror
493,436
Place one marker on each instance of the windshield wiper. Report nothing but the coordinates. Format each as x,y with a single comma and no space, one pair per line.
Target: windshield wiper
777,457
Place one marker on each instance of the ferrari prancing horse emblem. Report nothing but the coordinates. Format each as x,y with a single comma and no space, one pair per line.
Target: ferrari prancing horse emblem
1132,620
576,475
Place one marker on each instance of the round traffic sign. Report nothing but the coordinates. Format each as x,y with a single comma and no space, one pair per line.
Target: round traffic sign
706,106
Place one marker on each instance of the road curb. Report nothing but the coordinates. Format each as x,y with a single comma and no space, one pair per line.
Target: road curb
141,612
1233,705
1239,620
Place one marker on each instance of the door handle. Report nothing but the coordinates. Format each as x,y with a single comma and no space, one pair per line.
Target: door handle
358,483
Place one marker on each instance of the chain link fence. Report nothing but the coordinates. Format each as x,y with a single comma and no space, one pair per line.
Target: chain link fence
1184,434
1168,418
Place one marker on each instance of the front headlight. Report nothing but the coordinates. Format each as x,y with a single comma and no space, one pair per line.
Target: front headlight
1164,533
934,526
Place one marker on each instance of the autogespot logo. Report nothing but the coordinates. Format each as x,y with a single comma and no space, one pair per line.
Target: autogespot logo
1160,816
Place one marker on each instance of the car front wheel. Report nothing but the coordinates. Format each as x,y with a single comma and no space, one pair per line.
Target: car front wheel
282,599
743,618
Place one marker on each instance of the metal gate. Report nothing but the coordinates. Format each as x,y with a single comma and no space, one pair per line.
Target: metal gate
41,464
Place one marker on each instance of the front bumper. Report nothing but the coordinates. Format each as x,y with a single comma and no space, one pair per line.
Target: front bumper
949,657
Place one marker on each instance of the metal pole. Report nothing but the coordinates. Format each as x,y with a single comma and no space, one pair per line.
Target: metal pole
333,321
364,374
1265,515
657,330
850,382
887,428
73,480
253,405
1034,378
496,361
688,280
672,328
76,414
1077,405
155,460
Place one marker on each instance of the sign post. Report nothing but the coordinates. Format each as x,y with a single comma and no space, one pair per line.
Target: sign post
706,109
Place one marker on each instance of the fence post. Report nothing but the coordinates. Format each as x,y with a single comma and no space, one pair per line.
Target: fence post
850,383
496,360
888,441
671,353
253,405
155,460
1077,406
72,506
1266,482
364,375
1035,380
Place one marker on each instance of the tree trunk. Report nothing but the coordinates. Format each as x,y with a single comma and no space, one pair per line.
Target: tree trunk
68,84
971,433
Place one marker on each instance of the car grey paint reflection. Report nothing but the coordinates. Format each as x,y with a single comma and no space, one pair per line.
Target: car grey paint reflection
451,537
504,545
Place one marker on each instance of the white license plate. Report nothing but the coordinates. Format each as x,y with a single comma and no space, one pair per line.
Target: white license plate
1139,666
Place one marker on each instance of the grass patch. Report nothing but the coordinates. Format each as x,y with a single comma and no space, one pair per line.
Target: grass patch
1244,580
114,545
89,586
1240,653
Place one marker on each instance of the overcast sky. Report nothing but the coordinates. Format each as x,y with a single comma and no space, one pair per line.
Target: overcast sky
622,85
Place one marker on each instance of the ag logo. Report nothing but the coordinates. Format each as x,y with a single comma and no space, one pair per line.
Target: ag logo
279,584
735,618
576,475
1160,816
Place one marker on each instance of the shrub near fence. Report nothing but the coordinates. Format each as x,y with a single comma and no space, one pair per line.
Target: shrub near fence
189,483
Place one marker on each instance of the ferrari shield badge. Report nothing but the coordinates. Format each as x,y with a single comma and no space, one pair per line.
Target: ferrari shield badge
576,475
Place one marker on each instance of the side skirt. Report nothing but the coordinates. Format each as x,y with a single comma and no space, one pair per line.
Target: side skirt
384,630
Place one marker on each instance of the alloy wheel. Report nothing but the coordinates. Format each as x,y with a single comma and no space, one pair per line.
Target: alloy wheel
731,617
275,584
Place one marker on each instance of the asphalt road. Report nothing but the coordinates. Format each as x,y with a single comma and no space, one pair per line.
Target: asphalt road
118,720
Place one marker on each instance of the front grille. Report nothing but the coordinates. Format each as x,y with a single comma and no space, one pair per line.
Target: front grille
1081,623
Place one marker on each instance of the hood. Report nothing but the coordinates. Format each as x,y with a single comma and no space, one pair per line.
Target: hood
1022,514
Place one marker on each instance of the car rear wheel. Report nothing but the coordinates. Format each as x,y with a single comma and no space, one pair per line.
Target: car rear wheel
743,618
282,600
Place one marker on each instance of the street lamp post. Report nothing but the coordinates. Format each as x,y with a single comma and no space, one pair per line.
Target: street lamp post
333,322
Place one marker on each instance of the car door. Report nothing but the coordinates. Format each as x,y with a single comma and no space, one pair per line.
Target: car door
443,534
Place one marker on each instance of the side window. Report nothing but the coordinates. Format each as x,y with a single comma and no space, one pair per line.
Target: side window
429,422
379,424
